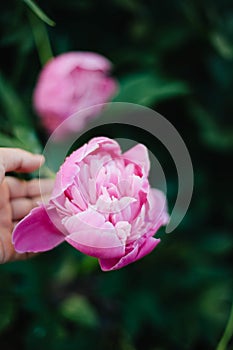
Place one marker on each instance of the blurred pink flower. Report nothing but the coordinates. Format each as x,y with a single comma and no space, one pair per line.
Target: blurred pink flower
102,205
69,83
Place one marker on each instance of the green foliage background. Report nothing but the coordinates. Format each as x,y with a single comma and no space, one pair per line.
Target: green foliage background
174,56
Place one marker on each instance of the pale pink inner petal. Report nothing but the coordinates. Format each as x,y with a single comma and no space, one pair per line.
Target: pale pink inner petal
90,232
139,155
107,205
157,206
123,230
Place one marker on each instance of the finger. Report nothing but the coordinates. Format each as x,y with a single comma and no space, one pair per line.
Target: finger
33,188
41,187
7,251
44,199
15,223
14,159
20,208
17,188
4,194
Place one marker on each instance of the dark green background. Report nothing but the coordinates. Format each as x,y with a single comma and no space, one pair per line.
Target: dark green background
173,56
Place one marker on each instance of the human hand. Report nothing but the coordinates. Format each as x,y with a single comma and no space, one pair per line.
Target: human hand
17,197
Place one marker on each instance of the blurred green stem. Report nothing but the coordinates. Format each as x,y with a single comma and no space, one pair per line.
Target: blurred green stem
222,345
41,38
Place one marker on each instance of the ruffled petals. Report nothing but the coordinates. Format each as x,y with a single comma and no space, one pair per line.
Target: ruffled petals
89,233
138,252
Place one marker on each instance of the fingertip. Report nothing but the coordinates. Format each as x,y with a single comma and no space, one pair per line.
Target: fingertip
40,158
36,162
2,173
15,159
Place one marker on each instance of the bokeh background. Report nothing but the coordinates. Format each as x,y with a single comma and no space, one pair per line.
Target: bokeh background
176,57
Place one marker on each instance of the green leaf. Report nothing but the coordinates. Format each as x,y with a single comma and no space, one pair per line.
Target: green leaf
7,141
67,271
222,45
17,116
218,242
216,137
88,264
12,105
228,333
39,13
7,314
77,309
41,38
27,138
147,89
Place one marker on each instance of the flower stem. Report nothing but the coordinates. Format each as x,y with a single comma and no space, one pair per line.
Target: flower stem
222,345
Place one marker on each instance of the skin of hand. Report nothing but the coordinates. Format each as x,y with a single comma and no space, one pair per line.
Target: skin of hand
18,197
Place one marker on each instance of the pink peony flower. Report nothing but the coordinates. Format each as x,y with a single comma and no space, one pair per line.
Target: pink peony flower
69,83
102,205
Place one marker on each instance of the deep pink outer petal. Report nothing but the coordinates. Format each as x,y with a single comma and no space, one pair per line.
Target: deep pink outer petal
96,252
36,233
135,254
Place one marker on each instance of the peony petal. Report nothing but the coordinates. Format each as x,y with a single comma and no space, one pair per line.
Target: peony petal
36,233
90,234
64,179
95,89
107,145
64,64
139,155
92,61
157,207
70,168
135,254
105,205
78,198
70,83
123,230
